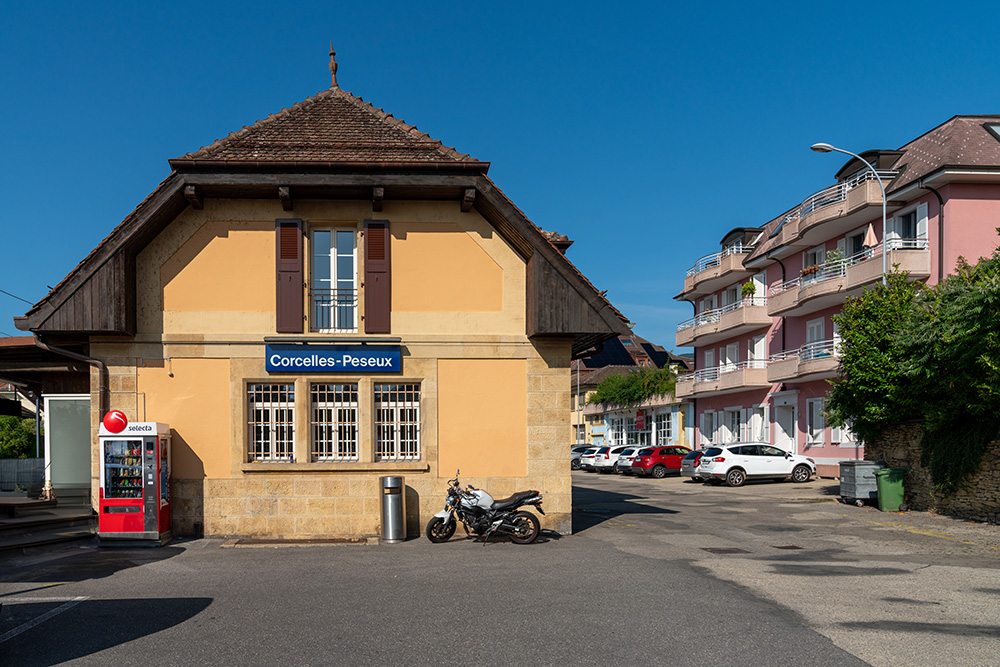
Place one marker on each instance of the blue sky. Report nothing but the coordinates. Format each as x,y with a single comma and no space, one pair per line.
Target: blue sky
644,131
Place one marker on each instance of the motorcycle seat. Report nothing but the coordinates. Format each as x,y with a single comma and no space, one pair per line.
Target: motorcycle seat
513,500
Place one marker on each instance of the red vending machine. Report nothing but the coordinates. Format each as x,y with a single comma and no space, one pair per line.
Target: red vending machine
135,483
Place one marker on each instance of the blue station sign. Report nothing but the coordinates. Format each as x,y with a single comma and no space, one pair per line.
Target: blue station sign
333,359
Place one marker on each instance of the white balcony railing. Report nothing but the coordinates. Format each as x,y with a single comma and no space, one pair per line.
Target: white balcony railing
713,373
714,315
838,193
814,350
838,267
709,261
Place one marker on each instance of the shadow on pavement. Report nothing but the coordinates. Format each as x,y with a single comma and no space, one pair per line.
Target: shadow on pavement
93,563
88,627
594,506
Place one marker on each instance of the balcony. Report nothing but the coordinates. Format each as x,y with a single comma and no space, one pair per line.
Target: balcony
813,361
718,324
712,272
830,284
834,211
726,379
333,310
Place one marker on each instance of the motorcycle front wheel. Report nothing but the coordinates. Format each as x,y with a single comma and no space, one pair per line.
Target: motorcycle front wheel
526,528
439,531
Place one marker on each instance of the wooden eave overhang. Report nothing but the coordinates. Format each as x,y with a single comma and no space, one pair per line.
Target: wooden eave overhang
24,363
98,296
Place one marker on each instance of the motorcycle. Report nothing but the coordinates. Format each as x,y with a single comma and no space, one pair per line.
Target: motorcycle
481,515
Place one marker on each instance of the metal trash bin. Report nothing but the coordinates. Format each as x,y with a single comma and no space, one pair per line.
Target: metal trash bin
393,509
890,489
857,481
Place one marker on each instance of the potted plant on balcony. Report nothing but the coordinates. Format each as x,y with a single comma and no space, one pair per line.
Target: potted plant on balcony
809,270
835,257
749,289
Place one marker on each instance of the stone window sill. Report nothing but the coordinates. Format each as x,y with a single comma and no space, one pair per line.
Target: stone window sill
345,466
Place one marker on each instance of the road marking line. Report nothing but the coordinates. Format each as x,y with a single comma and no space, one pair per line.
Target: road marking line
920,531
24,627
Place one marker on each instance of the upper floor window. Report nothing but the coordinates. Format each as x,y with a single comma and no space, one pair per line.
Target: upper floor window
334,292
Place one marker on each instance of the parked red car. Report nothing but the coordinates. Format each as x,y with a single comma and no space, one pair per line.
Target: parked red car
658,461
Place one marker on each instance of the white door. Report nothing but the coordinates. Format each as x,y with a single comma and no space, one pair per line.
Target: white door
785,420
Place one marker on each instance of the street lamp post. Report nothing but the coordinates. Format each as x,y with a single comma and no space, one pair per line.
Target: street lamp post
826,148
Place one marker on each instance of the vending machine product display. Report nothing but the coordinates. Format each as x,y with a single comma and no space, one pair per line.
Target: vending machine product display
135,484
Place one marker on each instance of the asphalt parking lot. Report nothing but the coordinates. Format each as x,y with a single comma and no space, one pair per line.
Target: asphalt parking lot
656,572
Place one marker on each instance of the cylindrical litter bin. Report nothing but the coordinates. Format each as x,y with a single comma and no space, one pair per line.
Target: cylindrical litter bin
890,489
393,509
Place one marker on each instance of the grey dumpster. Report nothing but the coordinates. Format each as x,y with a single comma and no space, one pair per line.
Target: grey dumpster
393,509
857,481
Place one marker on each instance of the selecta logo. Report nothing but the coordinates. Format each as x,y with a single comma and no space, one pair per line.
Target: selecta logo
115,421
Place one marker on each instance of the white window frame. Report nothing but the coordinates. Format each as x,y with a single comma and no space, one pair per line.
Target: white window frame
396,410
757,351
814,256
333,301
270,421
919,213
732,425
707,428
664,428
731,295
815,428
729,356
710,358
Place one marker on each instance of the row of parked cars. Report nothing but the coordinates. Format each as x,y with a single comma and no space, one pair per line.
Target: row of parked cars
733,463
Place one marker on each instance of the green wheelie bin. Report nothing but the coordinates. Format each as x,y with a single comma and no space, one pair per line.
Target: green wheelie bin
890,489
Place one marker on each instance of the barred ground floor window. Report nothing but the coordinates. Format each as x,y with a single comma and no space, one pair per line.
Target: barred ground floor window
334,422
271,427
397,422
337,421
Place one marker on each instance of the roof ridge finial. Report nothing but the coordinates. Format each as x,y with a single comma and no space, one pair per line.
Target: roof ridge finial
333,65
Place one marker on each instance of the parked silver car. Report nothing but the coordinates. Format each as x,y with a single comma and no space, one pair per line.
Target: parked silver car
575,453
690,463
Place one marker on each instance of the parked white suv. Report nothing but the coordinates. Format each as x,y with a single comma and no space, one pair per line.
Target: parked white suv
736,462
606,458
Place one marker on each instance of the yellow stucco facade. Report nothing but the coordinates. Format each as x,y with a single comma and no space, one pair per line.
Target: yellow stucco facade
493,402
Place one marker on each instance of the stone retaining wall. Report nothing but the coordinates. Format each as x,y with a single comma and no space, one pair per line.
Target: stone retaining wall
980,500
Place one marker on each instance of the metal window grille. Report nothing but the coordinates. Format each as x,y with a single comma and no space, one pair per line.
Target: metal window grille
334,422
397,422
271,425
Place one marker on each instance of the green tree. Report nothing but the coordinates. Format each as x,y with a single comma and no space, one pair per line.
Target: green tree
17,437
871,392
951,363
632,387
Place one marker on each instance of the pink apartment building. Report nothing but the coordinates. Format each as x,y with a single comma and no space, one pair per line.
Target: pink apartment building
764,354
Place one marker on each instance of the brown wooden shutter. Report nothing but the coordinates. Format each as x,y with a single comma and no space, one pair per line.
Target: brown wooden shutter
378,283
288,255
